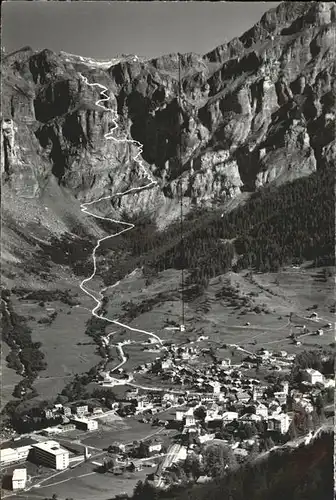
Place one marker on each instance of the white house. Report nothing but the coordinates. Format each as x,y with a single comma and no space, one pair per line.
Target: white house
212,414
82,410
180,413
285,386
229,416
281,397
142,406
166,364
274,407
313,376
172,398
216,386
262,410
85,424
132,394
257,393
154,447
279,423
203,438
243,397
189,420
19,479
250,417
226,363
329,382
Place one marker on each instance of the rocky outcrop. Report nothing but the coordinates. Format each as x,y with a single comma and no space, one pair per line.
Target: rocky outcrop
255,110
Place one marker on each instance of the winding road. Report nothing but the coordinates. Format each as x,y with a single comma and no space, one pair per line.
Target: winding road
128,226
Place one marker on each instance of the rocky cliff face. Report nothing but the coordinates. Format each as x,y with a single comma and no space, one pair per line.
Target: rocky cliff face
256,110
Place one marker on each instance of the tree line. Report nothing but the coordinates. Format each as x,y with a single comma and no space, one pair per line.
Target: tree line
306,472
25,356
275,227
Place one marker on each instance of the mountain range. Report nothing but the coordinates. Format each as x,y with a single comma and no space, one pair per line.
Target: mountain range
256,111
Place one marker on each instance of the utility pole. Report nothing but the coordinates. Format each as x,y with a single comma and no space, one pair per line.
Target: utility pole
181,193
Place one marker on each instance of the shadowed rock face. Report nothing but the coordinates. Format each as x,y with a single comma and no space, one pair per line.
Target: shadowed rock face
256,110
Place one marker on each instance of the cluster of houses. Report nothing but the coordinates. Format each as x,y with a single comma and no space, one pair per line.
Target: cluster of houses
80,417
228,391
202,400
221,395
63,419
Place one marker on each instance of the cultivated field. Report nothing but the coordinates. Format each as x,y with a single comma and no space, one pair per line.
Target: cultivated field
61,342
125,431
277,305
84,483
257,314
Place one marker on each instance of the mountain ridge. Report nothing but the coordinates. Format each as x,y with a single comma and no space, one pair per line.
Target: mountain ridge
256,110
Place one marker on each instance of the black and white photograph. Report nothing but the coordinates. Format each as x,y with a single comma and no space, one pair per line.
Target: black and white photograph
167,250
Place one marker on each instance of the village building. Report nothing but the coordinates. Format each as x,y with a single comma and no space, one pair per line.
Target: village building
257,393
16,450
312,376
229,416
117,447
143,405
81,410
279,423
19,479
285,386
190,420
66,411
281,397
203,438
51,455
274,407
166,364
180,414
242,397
250,417
215,386
48,413
131,394
95,410
261,410
85,424
225,363
154,447
58,429
240,452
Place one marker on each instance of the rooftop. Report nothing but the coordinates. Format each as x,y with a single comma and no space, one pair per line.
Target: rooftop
311,371
51,447
26,441
19,474
84,420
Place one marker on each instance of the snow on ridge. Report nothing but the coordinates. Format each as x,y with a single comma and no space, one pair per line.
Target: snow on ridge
89,61
103,64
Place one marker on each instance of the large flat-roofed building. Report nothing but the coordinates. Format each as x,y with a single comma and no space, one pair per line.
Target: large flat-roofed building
19,479
15,450
52,455
85,424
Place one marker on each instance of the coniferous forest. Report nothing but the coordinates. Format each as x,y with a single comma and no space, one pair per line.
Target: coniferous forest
275,227
305,473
